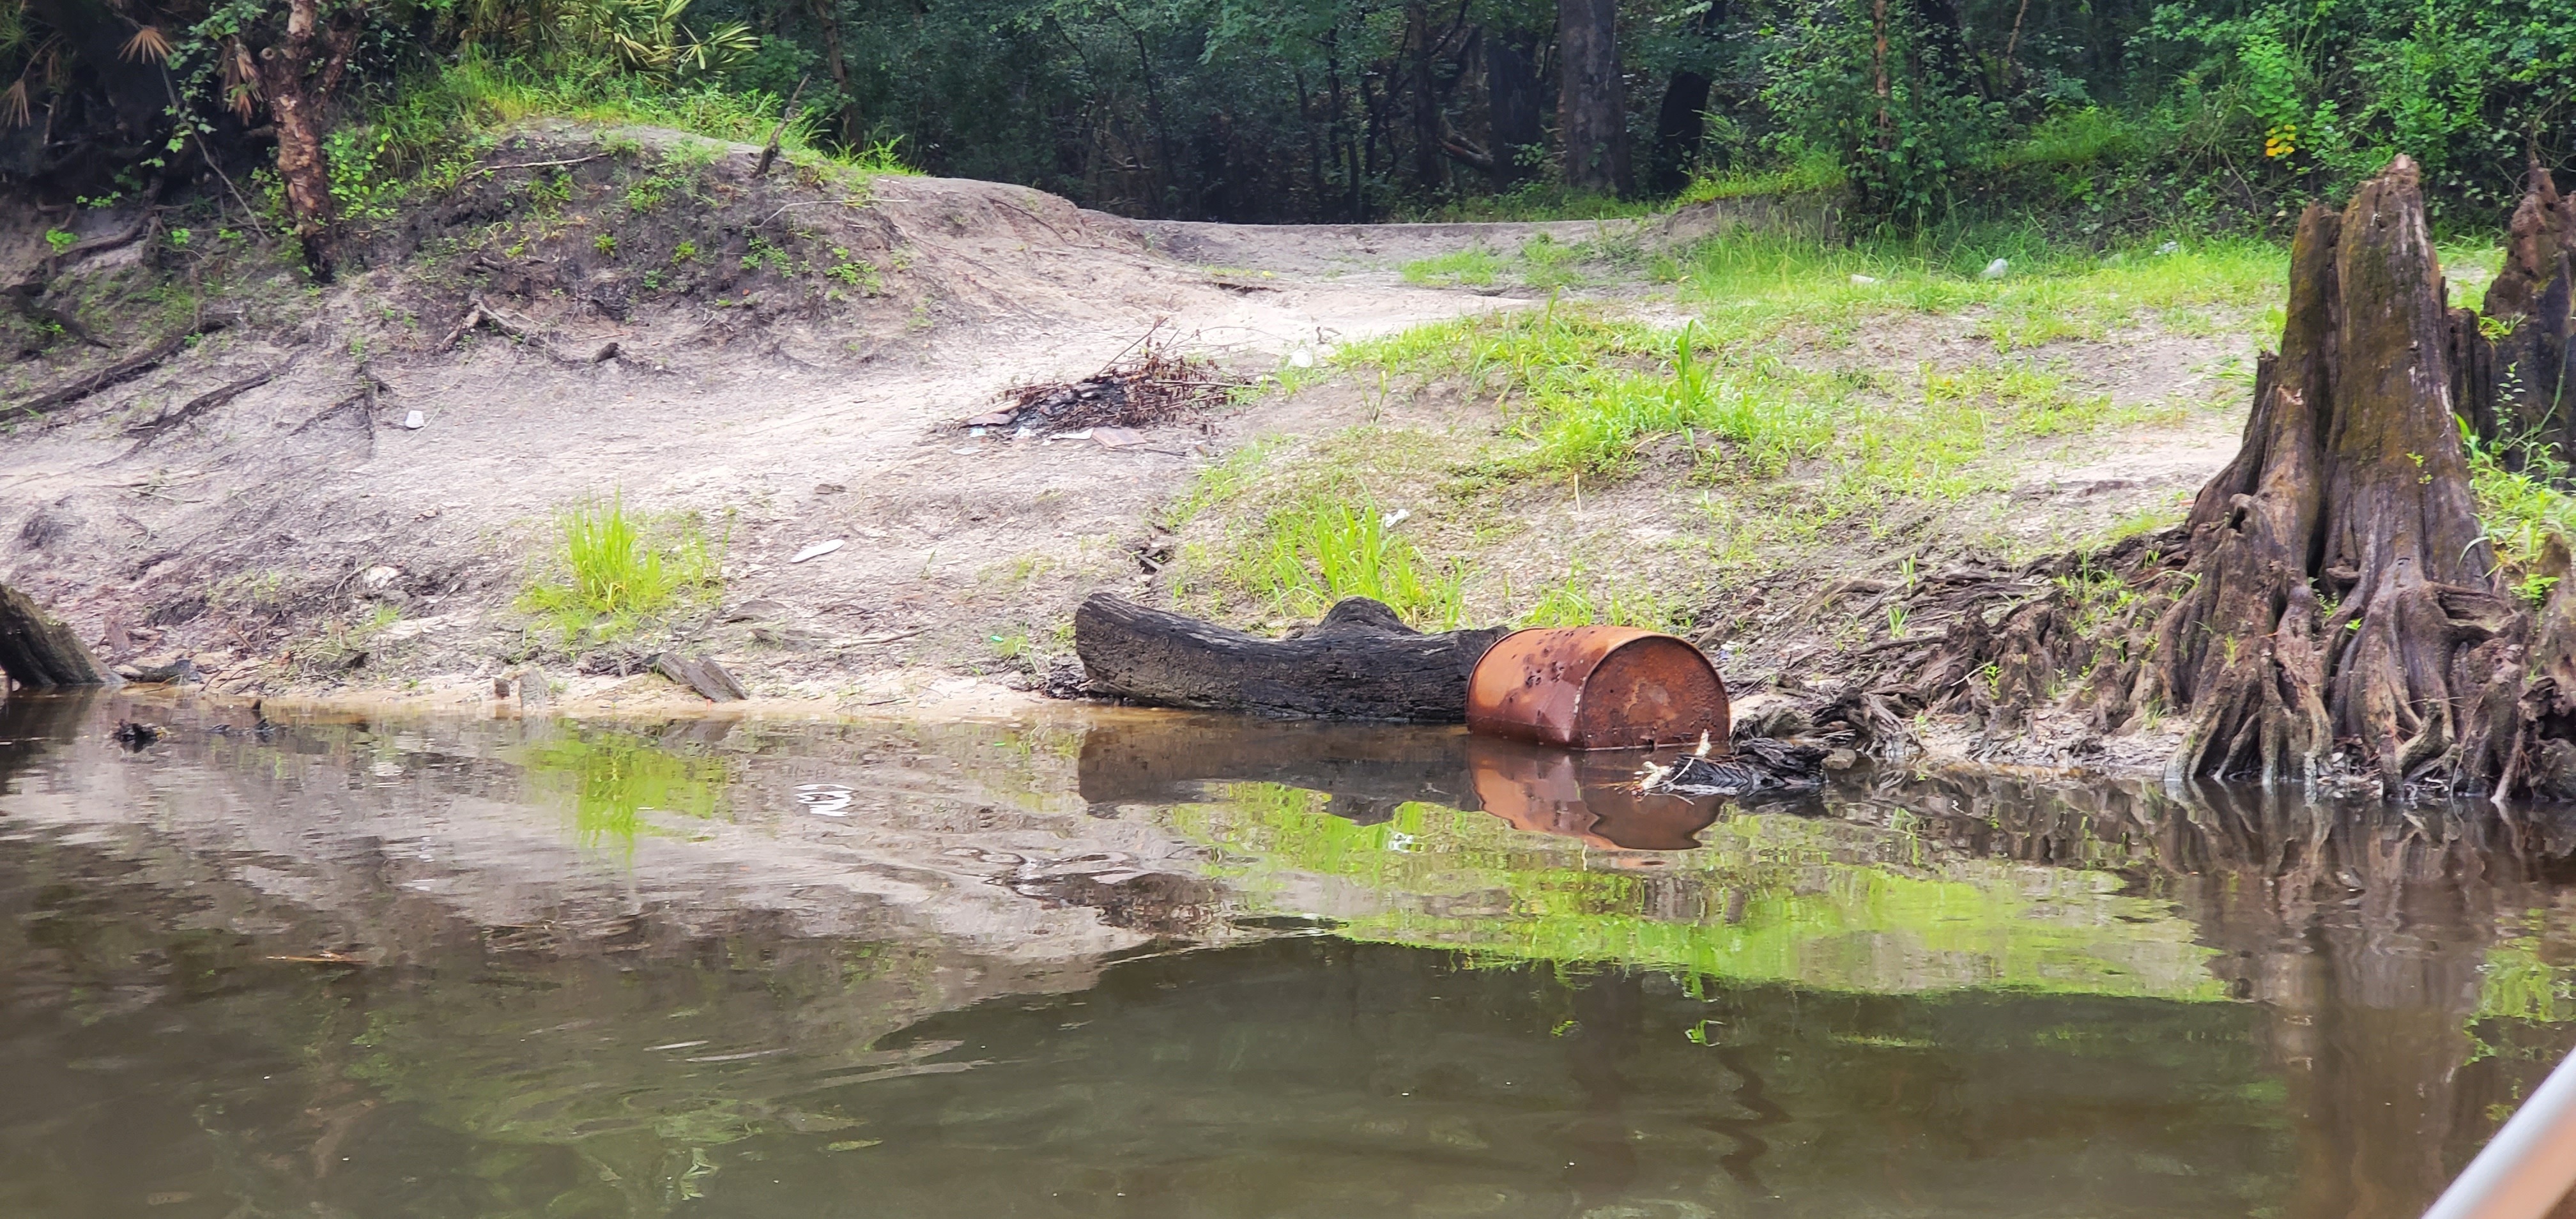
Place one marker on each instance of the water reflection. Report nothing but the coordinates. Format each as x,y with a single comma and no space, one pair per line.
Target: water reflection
1368,771
456,967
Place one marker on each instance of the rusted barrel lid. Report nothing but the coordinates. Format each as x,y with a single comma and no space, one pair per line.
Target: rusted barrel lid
1597,687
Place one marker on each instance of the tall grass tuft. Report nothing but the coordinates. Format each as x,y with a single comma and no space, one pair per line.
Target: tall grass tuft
618,568
1323,550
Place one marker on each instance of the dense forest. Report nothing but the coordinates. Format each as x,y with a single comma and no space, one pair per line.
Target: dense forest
2110,113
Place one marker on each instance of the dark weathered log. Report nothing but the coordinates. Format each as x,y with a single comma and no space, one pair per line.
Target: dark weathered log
1361,662
38,650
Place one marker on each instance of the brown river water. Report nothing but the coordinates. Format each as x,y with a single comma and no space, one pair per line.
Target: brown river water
1116,964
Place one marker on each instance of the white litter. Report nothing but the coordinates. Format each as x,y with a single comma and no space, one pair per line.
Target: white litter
1997,269
816,551
1301,358
825,799
1395,518
2170,247
1864,279
415,421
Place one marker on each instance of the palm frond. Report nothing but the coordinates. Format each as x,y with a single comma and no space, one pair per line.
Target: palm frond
149,44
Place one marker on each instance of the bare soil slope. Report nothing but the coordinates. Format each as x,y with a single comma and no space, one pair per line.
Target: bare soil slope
791,356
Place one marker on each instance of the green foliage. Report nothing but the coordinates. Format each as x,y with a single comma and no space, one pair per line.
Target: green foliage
2522,502
2111,116
60,240
1323,549
615,569
1901,130
1474,268
1582,602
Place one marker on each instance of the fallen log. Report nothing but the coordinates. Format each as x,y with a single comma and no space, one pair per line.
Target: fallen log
1360,663
40,651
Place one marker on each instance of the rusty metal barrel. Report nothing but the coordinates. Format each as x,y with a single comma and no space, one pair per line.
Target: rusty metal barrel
1597,687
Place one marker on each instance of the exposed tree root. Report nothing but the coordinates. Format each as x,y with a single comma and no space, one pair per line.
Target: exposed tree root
151,429
122,371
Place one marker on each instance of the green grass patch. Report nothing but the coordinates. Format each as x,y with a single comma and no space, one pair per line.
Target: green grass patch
1325,548
1756,283
615,569
1472,268
424,134
1582,602
1814,175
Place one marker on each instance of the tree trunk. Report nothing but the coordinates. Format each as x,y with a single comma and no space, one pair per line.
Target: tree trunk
1511,98
39,651
1878,73
1429,167
2530,296
1677,132
2341,585
298,75
1360,662
827,18
1591,111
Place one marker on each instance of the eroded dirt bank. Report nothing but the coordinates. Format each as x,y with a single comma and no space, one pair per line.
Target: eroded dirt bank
344,490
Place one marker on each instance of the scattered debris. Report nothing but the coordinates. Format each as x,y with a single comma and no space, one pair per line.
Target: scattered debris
702,675
1757,764
753,610
1144,386
135,736
325,957
1997,269
816,551
825,799
1064,678
177,671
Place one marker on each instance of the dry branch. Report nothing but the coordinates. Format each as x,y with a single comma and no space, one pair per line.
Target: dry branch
1144,386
